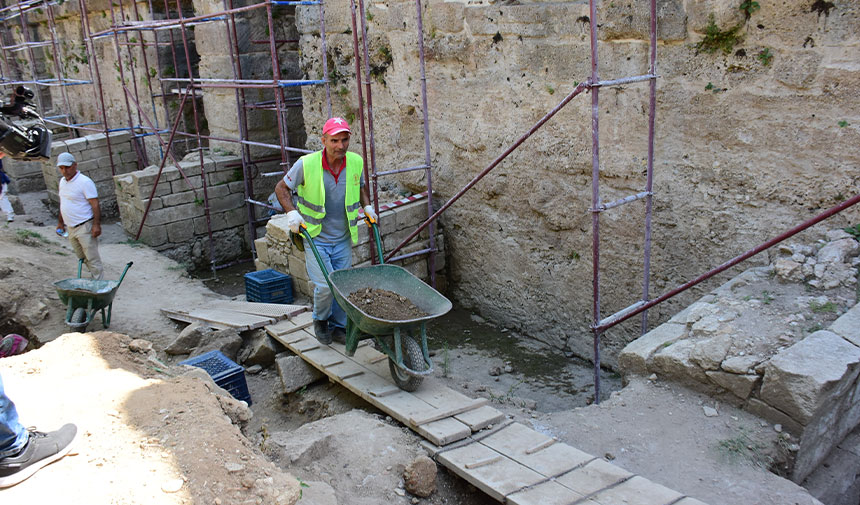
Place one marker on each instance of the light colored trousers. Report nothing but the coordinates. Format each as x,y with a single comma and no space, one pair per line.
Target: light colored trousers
86,247
336,257
5,205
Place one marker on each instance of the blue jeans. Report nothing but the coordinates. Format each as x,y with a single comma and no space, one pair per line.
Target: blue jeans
336,257
13,436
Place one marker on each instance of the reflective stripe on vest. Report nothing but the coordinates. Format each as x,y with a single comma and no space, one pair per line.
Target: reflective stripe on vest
311,201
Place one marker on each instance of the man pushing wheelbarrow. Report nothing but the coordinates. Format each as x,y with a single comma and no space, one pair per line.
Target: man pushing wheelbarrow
331,190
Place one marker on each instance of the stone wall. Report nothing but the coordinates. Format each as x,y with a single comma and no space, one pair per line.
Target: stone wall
767,340
748,143
176,224
94,161
276,251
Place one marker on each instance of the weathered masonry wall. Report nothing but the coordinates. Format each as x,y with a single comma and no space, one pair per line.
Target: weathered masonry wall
176,224
748,143
94,161
276,251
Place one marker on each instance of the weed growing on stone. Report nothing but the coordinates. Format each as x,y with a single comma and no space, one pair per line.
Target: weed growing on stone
133,243
815,327
717,40
842,124
765,56
854,231
742,448
822,307
766,297
29,238
748,7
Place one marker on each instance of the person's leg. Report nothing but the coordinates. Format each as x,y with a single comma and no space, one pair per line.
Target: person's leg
322,293
341,257
6,205
90,248
23,452
13,435
76,243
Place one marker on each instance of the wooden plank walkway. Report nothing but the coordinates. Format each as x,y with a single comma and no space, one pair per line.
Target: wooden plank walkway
509,461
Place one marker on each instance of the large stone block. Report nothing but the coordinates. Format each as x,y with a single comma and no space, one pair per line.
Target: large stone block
295,373
710,353
634,358
631,20
809,374
848,325
674,363
739,385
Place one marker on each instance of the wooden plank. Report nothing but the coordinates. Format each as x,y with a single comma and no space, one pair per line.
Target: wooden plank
185,318
480,418
545,493
595,476
443,431
498,480
516,440
277,310
223,318
437,414
286,326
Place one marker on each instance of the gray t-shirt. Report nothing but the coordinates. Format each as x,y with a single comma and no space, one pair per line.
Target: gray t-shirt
335,227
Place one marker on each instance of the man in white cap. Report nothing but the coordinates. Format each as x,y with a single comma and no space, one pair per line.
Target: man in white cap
80,213
330,188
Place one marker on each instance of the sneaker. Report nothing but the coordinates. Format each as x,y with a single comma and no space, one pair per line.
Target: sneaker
42,449
338,334
322,332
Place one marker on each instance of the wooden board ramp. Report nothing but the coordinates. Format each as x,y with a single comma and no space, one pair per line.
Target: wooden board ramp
437,413
510,462
243,316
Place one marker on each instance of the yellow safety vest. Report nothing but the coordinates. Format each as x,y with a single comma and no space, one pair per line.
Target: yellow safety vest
311,203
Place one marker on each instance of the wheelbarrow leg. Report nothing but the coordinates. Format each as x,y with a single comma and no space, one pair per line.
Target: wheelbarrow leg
106,320
351,337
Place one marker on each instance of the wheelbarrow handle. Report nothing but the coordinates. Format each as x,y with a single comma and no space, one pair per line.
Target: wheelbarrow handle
304,230
371,223
121,277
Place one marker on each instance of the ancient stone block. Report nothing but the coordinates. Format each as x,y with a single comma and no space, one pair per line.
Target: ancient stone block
808,374
739,385
740,364
674,363
446,17
711,352
296,373
635,356
848,325
631,20
260,349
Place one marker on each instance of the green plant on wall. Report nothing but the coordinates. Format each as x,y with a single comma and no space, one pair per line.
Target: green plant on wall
718,40
765,56
748,7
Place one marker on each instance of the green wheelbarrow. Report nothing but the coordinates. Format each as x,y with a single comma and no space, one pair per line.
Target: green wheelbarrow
408,360
84,297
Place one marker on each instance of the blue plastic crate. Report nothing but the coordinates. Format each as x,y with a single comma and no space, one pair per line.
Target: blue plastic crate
268,286
224,372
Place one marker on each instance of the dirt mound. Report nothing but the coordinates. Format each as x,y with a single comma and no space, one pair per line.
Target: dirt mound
143,436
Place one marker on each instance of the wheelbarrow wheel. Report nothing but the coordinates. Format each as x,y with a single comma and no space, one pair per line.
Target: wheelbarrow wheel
413,359
78,320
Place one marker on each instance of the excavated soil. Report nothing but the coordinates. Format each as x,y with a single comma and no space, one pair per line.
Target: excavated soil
384,304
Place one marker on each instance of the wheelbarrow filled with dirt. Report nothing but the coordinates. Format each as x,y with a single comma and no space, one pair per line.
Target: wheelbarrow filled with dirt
84,297
403,340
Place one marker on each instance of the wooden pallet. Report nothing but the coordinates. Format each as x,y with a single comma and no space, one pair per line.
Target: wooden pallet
434,411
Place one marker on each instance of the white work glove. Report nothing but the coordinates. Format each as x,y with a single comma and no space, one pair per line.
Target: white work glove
368,212
294,220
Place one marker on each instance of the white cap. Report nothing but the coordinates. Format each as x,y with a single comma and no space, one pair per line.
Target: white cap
65,160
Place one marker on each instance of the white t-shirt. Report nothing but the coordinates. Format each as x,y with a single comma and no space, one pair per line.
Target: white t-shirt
74,196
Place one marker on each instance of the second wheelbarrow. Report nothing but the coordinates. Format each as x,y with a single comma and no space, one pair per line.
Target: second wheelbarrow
408,360
84,297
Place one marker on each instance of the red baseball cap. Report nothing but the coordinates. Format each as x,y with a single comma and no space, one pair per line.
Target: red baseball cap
335,125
